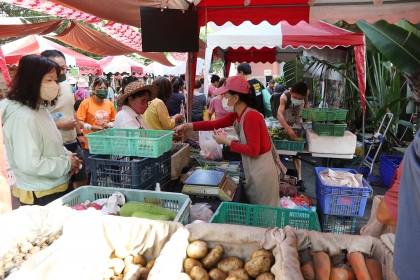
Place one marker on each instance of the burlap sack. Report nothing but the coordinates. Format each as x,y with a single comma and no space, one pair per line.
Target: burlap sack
374,227
383,251
180,158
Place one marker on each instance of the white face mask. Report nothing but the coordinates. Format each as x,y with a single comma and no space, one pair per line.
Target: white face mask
226,106
296,102
49,91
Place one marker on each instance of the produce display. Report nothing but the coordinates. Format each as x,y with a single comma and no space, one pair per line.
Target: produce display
357,268
204,264
277,133
123,266
22,251
147,211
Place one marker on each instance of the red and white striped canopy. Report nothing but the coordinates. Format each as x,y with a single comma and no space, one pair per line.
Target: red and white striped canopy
122,64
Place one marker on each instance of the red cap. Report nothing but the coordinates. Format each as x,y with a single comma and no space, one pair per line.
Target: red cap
235,83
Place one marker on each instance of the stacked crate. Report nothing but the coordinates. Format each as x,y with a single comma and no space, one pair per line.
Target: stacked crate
130,158
326,121
338,206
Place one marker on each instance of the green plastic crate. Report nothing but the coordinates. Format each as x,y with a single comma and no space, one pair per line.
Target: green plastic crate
297,146
329,129
324,114
265,216
173,201
130,142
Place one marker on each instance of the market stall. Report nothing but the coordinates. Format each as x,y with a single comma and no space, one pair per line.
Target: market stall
122,64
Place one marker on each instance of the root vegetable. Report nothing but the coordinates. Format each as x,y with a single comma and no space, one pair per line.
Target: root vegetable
108,273
184,276
150,264
358,264
308,271
341,273
213,257
233,278
119,266
34,250
199,273
8,257
119,277
144,273
230,263
128,259
131,272
197,249
217,274
8,265
240,273
322,265
189,263
258,265
139,259
374,268
121,252
263,252
111,263
43,246
266,276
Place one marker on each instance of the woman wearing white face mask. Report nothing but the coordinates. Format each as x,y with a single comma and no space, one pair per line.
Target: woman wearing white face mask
262,167
289,112
34,145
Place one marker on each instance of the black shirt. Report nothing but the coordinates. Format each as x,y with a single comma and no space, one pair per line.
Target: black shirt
256,91
174,104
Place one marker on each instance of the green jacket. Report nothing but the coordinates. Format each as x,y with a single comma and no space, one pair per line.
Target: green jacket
34,147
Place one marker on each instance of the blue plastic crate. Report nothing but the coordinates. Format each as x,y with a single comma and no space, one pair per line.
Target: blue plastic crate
336,224
342,201
162,169
124,172
388,166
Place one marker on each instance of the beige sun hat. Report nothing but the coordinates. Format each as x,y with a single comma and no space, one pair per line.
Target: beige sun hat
137,86
82,83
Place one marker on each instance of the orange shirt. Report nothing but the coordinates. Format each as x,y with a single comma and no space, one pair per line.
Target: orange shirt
95,114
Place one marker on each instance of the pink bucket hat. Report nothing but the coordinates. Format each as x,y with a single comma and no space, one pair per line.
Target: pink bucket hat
234,83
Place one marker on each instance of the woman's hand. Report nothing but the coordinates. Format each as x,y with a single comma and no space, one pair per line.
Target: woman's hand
96,128
179,130
75,163
222,139
291,133
178,117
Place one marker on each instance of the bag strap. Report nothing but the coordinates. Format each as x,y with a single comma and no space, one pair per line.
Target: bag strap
289,97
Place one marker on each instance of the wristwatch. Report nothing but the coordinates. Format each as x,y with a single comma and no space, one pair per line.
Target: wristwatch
79,134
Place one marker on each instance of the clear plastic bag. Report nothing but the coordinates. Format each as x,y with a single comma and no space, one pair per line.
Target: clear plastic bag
209,147
287,189
201,211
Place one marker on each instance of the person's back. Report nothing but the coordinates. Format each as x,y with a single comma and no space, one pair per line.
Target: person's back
177,98
199,103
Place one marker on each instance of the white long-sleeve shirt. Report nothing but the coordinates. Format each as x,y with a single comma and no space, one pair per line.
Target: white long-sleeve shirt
128,118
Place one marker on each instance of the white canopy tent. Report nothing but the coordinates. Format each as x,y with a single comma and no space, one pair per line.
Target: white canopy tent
123,64
160,70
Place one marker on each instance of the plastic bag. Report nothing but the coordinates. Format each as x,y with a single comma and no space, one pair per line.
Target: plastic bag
209,147
201,211
287,202
287,189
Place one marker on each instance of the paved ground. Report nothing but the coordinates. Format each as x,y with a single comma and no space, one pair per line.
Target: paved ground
309,177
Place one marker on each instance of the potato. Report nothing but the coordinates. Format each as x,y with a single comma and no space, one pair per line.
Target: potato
230,263
184,276
121,252
189,263
233,278
139,259
131,272
217,274
199,273
118,266
197,249
144,272
263,252
240,273
213,257
150,264
258,265
108,273
120,277
266,276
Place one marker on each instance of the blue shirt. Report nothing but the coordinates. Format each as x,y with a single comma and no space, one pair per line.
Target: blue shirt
174,104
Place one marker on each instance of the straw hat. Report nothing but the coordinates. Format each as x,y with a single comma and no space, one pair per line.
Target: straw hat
82,83
137,86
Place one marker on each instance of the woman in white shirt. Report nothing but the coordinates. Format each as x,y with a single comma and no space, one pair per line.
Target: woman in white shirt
134,103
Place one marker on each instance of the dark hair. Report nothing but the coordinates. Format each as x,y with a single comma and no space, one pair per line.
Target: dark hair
279,88
77,104
165,88
248,99
53,53
214,78
197,84
100,81
126,81
177,84
271,82
245,68
137,94
221,82
26,84
202,81
300,88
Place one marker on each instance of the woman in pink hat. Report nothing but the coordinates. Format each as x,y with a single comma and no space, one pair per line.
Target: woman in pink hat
262,166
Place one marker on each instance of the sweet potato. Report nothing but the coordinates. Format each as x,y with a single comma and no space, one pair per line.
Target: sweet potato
322,265
341,273
308,271
374,268
358,264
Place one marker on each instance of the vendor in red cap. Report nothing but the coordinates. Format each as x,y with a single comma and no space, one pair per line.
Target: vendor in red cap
262,167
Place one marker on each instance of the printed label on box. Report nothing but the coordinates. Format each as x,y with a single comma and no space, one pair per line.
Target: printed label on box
345,200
